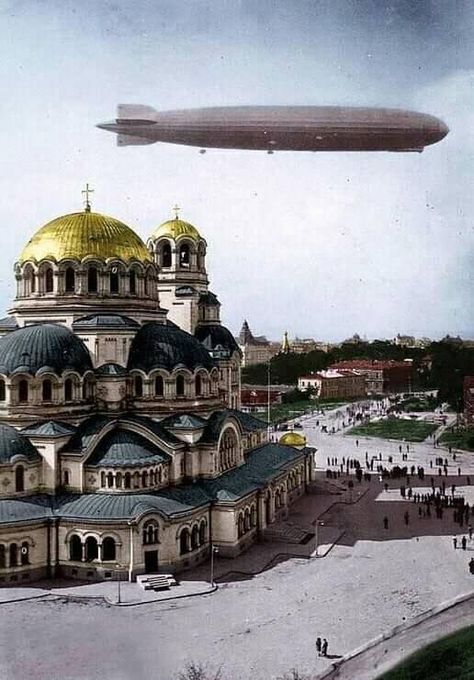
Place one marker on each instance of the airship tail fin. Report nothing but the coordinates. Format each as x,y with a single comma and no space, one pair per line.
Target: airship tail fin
133,140
135,112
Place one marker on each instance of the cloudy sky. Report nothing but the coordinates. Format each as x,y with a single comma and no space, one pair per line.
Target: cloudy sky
323,245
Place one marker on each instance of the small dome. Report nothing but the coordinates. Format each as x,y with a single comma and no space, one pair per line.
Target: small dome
166,346
83,234
215,337
33,348
123,447
176,229
12,444
293,439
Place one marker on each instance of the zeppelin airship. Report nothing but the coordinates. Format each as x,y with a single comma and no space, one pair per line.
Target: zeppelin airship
279,128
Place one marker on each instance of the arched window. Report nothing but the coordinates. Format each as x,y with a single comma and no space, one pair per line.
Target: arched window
138,386
144,478
180,386
102,479
91,549
109,550
247,520
3,561
133,282
184,257
145,285
198,385
33,281
70,283
19,478
92,280
127,480
202,533
23,391
195,537
13,555
114,280
184,542
150,533
166,255
159,386
118,480
110,480
2,390
201,256
48,280
75,549
253,516
25,554
47,390
68,389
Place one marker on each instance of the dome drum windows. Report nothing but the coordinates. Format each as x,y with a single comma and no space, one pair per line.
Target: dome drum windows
166,255
70,280
92,280
133,479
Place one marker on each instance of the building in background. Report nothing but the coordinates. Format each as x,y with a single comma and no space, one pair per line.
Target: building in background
334,384
254,398
382,377
468,389
255,349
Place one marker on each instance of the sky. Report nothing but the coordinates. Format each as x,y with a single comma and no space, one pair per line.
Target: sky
321,245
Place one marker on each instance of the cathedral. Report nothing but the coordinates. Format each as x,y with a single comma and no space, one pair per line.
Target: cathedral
123,449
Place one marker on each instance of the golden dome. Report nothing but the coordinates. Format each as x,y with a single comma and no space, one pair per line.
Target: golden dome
293,439
176,229
83,234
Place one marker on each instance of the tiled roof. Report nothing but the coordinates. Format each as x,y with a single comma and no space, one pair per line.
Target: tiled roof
50,428
184,421
116,321
26,508
13,443
158,345
32,348
123,447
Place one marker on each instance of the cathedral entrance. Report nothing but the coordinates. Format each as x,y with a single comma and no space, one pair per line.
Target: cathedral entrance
151,561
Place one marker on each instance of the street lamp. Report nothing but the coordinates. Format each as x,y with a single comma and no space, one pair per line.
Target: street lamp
214,551
319,523
118,566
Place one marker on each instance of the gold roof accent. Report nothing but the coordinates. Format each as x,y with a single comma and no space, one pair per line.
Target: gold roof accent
175,229
84,234
293,439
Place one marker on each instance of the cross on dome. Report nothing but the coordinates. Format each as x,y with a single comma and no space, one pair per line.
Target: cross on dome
176,209
87,191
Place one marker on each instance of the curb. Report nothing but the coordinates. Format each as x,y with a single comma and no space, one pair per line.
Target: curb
421,618
163,599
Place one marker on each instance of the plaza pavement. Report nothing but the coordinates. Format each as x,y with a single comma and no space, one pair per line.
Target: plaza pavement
272,601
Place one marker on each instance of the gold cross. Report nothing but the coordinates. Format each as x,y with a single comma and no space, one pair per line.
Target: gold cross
87,191
176,209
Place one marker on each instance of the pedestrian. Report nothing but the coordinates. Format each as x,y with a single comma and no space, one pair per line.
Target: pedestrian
470,532
464,543
455,542
357,442
324,647
407,518
385,522
471,565
318,645
459,472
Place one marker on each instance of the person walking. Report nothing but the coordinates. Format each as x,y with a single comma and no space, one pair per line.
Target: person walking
470,532
324,647
463,543
385,522
455,542
406,517
318,645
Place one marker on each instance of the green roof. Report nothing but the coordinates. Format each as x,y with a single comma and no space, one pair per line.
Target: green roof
123,447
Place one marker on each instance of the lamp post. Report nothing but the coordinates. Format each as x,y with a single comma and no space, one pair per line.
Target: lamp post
214,551
268,400
319,523
118,566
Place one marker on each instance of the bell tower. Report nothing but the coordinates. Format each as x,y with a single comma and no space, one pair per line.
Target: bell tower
179,252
